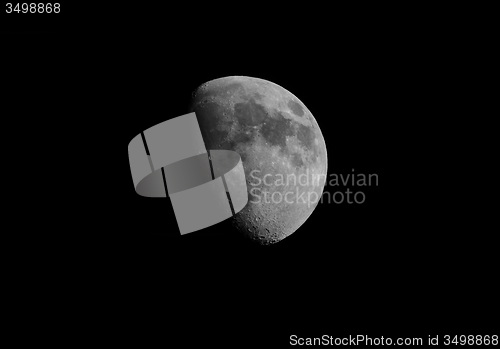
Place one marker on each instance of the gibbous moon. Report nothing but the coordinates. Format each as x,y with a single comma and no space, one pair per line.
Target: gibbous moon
281,145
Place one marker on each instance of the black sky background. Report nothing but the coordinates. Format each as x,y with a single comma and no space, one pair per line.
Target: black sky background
415,258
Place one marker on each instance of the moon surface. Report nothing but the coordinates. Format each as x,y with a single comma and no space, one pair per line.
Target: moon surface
282,149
